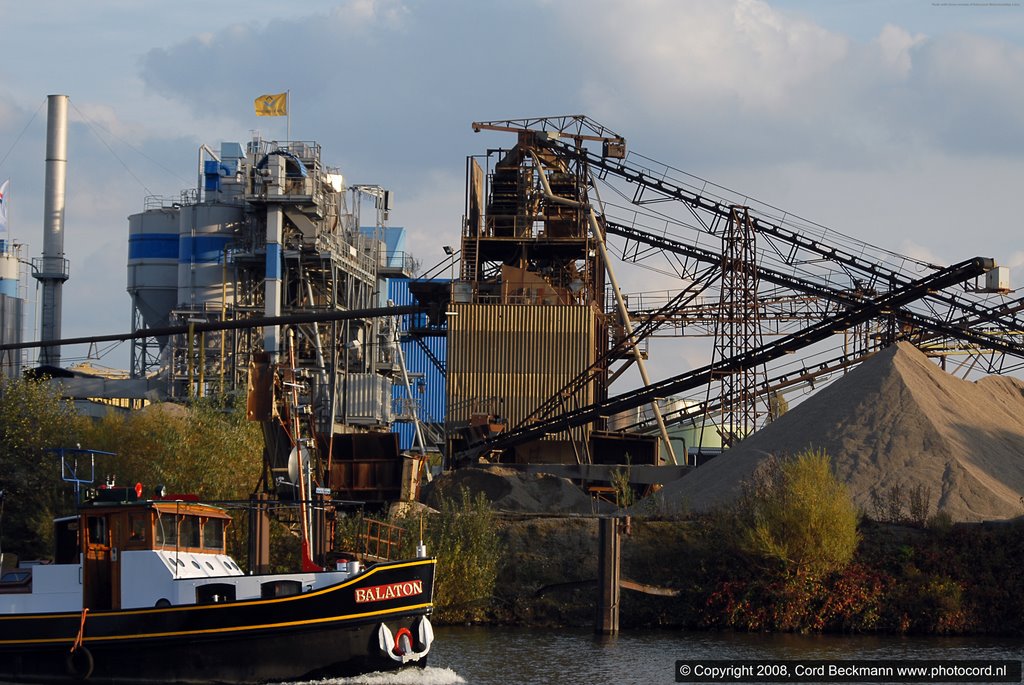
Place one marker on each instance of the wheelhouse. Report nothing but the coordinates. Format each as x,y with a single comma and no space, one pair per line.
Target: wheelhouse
112,531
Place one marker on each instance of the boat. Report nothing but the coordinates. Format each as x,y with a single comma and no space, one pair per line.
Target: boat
141,589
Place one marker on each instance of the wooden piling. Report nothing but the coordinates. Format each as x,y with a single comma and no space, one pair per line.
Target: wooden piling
608,571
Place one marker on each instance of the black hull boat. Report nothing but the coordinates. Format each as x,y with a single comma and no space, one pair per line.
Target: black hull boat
323,633
146,594
144,591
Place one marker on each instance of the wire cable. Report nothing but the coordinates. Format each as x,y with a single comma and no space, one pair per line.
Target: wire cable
20,135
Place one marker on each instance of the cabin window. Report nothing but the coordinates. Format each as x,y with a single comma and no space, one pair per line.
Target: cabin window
213,534
137,527
215,593
98,530
280,588
188,532
166,531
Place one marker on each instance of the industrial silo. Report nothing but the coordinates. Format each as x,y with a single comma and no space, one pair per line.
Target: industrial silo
205,231
152,280
153,264
11,308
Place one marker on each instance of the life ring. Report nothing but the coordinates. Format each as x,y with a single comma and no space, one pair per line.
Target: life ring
403,642
80,663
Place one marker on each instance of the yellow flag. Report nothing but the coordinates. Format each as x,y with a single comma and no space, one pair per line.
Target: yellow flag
272,105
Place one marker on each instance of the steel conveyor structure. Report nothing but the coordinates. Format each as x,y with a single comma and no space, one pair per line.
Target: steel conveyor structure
957,329
774,274
855,267
834,303
698,377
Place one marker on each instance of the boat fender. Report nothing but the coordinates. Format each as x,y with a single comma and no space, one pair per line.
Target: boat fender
80,663
425,632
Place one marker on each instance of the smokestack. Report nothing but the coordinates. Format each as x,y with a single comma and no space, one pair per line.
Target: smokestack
54,268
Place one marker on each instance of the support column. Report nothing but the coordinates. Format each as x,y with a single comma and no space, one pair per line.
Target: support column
275,231
608,572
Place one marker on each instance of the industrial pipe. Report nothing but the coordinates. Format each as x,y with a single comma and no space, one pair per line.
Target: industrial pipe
53,272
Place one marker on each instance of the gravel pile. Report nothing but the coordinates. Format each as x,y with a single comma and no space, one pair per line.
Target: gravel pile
511,491
895,419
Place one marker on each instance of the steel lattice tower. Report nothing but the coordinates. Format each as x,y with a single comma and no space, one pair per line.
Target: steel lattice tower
739,326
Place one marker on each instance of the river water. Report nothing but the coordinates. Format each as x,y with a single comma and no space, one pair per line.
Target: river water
482,656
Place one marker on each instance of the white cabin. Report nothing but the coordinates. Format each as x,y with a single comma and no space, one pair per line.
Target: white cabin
143,554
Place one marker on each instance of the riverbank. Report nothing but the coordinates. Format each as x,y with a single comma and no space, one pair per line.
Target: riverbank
943,580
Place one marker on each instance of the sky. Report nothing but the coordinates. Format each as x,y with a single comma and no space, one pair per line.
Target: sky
897,122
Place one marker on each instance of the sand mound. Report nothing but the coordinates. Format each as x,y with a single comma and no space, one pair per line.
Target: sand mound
510,490
895,419
166,409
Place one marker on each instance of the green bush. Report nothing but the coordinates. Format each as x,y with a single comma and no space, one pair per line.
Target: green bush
796,516
463,538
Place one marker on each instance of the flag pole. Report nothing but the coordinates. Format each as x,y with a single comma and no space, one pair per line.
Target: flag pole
288,113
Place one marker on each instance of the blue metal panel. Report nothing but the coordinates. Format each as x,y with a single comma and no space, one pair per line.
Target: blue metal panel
202,248
273,268
211,173
394,242
428,383
153,246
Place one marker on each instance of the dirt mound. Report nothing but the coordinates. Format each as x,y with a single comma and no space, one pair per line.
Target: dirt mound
510,490
165,409
896,419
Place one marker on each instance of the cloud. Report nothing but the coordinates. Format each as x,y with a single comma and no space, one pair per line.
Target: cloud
745,82
894,45
903,137
432,217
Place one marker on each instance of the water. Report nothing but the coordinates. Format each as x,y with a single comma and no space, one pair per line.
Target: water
485,656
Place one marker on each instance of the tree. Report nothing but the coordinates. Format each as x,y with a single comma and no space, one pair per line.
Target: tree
204,449
33,420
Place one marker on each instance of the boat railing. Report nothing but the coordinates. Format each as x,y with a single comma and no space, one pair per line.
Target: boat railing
381,541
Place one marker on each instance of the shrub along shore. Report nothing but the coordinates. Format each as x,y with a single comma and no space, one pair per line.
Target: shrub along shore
791,556
965,579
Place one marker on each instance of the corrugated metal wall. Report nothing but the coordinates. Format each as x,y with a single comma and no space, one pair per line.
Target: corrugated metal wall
522,354
428,387
363,398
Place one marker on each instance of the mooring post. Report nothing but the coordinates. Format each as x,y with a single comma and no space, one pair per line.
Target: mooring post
608,567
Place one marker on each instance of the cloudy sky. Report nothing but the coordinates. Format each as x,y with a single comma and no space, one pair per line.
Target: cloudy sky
897,122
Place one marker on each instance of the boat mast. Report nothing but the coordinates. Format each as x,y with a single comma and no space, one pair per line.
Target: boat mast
305,478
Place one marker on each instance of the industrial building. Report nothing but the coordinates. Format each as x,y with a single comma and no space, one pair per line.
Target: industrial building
272,231
519,354
541,330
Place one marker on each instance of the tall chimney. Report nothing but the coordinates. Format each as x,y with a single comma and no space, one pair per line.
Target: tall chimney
53,269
